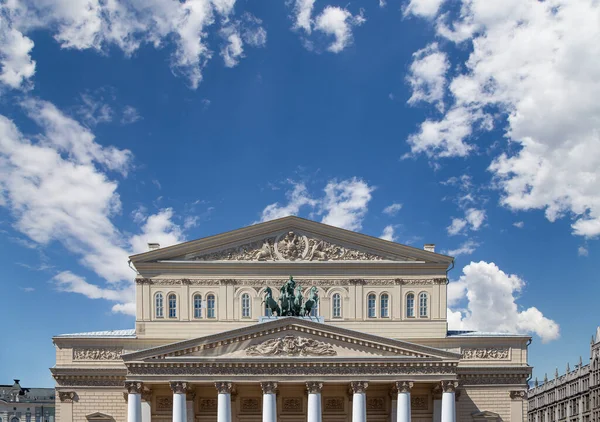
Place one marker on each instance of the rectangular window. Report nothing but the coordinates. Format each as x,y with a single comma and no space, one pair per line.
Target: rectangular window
245,305
210,306
410,305
384,309
337,306
197,306
371,306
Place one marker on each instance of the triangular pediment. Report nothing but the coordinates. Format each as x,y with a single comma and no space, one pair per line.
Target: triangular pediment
99,417
290,338
290,239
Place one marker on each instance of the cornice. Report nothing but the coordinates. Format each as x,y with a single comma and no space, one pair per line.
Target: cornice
322,282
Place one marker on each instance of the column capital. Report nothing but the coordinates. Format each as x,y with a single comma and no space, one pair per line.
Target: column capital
269,387
67,396
449,386
314,387
223,387
518,395
179,387
359,386
404,386
134,387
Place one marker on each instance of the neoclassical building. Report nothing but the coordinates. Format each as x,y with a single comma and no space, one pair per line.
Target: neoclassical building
206,348
572,397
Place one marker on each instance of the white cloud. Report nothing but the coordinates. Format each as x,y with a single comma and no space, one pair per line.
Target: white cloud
344,203
519,224
466,248
16,64
130,115
302,15
532,70
58,189
233,50
582,251
382,3
239,32
457,226
389,233
427,76
338,22
392,209
423,8
94,110
491,296
473,220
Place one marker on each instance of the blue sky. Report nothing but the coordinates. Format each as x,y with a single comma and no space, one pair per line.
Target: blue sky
469,124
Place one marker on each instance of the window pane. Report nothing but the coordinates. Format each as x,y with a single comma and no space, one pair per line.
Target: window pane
410,305
172,306
210,305
371,306
384,305
337,305
245,305
159,305
198,306
423,304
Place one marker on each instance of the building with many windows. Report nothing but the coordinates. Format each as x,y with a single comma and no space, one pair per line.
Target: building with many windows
208,343
572,397
19,404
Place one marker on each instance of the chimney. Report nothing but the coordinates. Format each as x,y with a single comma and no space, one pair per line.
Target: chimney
153,246
429,247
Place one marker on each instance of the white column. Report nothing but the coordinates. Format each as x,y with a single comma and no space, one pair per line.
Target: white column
359,401
449,401
314,401
403,412
269,401
179,398
437,407
394,410
223,401
517,403
146,408
134,401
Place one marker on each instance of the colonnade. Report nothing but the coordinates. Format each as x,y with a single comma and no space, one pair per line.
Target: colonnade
402,409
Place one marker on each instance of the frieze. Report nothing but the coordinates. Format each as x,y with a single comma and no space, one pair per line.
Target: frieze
375,404
419,402
291,405
101,353
89,382
250,404
164,403
334,404
213,282
490,379
487,353
291,346
208,405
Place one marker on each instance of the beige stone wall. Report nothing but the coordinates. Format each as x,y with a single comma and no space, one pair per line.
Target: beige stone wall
107,401
478,399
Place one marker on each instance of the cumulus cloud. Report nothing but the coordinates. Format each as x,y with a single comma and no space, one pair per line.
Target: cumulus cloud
582,251
100,25
392,209
473,220
466,248
423,8
343,203
249,31
491,296
427,76
389,233
58,188
130,115
332,21
531,71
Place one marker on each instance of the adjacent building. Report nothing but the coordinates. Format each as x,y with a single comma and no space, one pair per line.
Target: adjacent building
375,347
572,397
19,404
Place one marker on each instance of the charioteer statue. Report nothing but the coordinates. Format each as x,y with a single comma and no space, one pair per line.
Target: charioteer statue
291,301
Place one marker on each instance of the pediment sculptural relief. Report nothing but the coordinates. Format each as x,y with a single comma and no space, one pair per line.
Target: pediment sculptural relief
288,246
291,346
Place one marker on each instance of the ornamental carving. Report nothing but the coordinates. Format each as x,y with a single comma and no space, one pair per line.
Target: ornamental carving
102,353
90,382
208,405
419,402
334,404
375,404
213,282
314,387
134,387
223,387
359,387
404,386
291,346
449,386
164,403
518,395
67,396
269,387
250,405
490,379
289,246
487,353
179,387
291,405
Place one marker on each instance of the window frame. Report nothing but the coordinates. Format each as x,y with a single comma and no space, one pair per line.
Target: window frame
197,306
372,297
246,308
411,296
174,308
211,309
336,297
158,314
424,295
387,305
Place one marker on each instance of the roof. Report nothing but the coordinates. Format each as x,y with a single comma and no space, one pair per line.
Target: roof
17,394
468,333
101,334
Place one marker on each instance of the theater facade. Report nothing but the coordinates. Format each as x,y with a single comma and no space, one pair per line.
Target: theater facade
375,346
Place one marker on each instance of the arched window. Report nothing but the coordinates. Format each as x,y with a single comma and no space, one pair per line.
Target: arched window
337,305
410,305
423,304
14,420
172,305
159,306
371,306
197,306
384,301
210,306
245,305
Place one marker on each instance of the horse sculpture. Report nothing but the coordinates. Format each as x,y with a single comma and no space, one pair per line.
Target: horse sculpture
298,299
311,302
271,303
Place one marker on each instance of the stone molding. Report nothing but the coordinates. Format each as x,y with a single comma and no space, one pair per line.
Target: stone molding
179,387
291,346
223,387
403,386
134,387
97,353
518,395
486,353
314,387
67,396
269,387
494,379
449,386
89,381
359,387
214,282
